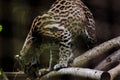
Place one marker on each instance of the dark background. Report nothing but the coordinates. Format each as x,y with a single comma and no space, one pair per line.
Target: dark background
16,18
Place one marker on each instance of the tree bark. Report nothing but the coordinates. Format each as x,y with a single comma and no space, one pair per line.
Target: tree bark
115,72
81,72
110,62
57,75
83,60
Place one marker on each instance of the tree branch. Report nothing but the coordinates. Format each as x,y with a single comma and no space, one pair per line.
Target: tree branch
82,60
71,72
16,75
81,72
110,62
115,72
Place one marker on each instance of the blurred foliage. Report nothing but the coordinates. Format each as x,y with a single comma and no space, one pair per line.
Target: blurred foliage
1,72
1,28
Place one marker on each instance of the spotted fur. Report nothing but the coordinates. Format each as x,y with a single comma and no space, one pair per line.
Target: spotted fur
65,20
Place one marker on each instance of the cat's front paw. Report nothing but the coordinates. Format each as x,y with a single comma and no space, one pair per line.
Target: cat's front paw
59,66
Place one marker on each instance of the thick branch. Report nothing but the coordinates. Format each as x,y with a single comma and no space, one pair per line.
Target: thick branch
110,62
81,72
115,72
56,75
82,60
